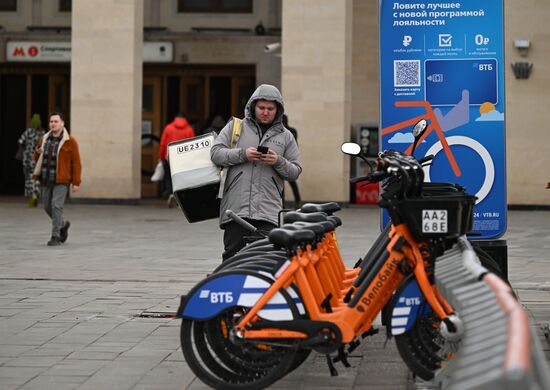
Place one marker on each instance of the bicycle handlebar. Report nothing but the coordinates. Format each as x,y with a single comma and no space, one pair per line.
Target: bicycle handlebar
241,222
407,171
373,177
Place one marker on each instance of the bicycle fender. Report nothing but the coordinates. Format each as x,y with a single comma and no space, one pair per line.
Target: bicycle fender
405,308
244,288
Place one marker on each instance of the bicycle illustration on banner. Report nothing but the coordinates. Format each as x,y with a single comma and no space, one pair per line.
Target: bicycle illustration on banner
459,115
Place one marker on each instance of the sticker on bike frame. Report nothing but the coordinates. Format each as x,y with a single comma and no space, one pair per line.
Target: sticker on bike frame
226,291
410,306
434,221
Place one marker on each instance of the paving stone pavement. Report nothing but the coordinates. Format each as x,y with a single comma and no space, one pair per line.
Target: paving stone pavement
89,314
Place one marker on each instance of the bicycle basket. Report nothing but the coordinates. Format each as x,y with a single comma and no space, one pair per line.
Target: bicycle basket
438,216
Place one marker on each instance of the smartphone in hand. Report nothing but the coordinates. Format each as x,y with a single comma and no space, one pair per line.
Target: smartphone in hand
262,149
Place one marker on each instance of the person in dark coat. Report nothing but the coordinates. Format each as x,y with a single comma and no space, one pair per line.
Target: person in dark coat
28,141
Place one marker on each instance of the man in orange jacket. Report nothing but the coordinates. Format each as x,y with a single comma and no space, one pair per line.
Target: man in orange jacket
58,167
177,130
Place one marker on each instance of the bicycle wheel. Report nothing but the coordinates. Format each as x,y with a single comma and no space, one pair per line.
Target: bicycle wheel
201,357
418,348
248,358
488,262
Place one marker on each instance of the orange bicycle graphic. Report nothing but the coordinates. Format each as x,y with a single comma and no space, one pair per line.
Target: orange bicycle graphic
457,116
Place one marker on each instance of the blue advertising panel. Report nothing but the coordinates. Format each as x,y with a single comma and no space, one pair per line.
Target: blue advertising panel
443,61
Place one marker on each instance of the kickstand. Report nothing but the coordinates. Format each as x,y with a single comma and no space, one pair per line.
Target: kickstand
331,368
342,357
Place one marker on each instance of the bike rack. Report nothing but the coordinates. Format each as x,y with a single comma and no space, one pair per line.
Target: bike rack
499,347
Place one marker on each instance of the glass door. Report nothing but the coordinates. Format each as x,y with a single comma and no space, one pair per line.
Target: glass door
150,134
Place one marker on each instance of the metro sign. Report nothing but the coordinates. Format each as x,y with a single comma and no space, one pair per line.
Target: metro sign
57,51
32,51
38,51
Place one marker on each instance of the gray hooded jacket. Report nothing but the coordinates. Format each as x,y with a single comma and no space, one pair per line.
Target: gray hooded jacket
252,189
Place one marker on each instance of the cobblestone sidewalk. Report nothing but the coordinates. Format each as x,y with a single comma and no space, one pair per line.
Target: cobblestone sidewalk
90,314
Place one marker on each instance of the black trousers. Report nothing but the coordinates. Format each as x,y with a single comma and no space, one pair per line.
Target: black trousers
234,236
167,180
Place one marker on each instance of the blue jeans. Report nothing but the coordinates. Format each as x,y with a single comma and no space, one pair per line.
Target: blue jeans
53,197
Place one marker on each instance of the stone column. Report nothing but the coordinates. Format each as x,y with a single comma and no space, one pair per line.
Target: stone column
316,86
106,83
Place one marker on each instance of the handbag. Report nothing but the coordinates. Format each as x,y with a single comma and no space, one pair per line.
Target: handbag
158,175
19,153
196,180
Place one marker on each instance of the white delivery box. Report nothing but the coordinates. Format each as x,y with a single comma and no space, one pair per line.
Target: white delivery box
195,178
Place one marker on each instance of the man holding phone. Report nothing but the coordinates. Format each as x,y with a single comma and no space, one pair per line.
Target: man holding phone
264,157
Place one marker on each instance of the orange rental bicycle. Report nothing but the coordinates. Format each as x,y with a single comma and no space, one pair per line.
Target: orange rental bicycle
258,316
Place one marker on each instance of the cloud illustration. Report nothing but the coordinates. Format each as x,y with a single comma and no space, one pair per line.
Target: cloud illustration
402,138
493,115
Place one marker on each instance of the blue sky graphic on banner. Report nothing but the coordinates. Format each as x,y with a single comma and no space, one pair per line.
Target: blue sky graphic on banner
444,61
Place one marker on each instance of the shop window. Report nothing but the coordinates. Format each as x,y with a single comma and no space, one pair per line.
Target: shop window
8,5
65,5
215,6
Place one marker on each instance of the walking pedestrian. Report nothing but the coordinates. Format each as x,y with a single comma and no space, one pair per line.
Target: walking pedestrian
264,155
28,141
58,167
176,130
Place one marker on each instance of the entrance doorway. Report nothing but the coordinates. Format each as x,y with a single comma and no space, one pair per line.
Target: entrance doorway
13,96
150,132
200,93
58,99
23,92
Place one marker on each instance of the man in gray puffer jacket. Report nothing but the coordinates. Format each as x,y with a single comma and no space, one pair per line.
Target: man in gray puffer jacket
255,181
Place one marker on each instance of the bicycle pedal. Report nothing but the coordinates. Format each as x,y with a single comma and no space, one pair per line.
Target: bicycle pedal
353,345
370,332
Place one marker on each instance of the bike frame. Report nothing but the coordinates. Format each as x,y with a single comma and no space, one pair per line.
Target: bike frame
357,316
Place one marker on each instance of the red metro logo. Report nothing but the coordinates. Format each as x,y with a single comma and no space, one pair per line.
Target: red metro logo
32,51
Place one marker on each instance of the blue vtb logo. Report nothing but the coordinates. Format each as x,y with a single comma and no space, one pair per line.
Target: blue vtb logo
410,305
217,297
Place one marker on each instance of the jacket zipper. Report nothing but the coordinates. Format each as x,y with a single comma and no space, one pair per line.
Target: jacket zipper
233,181
277,187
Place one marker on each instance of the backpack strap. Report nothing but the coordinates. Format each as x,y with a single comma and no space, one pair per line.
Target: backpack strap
237,126
235,135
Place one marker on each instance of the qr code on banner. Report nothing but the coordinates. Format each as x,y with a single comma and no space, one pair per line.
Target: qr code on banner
406,73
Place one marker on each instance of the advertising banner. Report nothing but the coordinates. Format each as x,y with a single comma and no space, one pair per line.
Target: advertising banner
444,62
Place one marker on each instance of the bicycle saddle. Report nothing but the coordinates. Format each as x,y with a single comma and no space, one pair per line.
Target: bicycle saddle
319,228
295,216
290,239
328,208
335,220
296,226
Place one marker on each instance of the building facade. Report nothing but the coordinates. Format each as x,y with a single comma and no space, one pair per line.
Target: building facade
121,70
